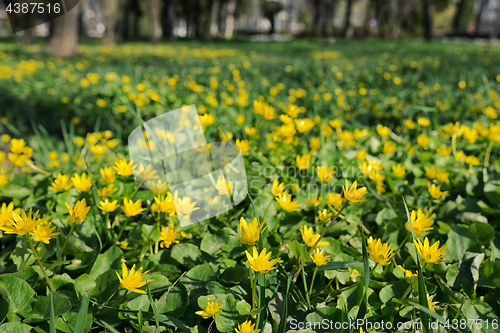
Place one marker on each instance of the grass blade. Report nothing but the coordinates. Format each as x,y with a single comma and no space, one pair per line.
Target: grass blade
282,325
305,286
366,268
108,326
155,310
82,315
52,327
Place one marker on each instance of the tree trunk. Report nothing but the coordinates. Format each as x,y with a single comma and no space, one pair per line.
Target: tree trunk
168,18
463,16
366,23
347,19
64,39
317,25
231,7
151,8
427,20
480,16
109,10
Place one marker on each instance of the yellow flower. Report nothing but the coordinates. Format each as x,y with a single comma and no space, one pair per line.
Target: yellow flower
21,224
319,257
79,212
383,131
82,183
5,137
108,174
435,191
3,179
269,112
6,213
361,155
424,122
106,191
166,204
314,201
101,103
285,201
371,166
389,147
44,233
277,188
212,309
430,172
324,214
334,199
303,161
430,254
409,124
244,146
315,143
472,160
108,206
146,173
131,208
61,183
304,125
443,151
354,274
420,221
261,262
324,173
246,327
423,140
123,168
132,280
353,194
223,185
184,206
408,273
376,176
379,252
431,305
250,232
310,238
441,176
399,170
169,235
17,146
251,131
336,123
240,119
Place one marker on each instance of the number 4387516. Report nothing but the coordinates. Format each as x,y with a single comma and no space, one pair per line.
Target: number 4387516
33,8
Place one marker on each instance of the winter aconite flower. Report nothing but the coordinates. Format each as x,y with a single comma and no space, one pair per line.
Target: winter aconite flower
246,327
435,191
420,221
285,201
319,257
334,199
211,309
108,206
399,170
353,194
431,254
304,161
106,191
250,232
314,201
383,131
132,280
169,235
61,183
261,262
431,305
79,212
408,273
6,213
324,214
44,233
277,188
131,208
310,238
21,224
166,204
123,168
379,252
223,185
82,183
184,206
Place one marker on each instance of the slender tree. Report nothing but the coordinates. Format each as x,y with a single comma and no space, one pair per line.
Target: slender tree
64,39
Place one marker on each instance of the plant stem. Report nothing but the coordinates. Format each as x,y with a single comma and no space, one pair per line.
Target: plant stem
312,281
73,225
253,285
35,253
121,230
488,152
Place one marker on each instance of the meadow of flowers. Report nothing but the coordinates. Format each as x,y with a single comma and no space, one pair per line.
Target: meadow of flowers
373,184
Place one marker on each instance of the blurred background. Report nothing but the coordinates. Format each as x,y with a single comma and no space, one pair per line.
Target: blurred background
114,21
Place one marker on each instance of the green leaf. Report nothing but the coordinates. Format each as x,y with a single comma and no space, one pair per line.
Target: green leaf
299,251
186,254
15,328
460,239
234,275
243,307
492,192
197,278
331,265
111,259
20,294
84,284
489,274
15,191
46,306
